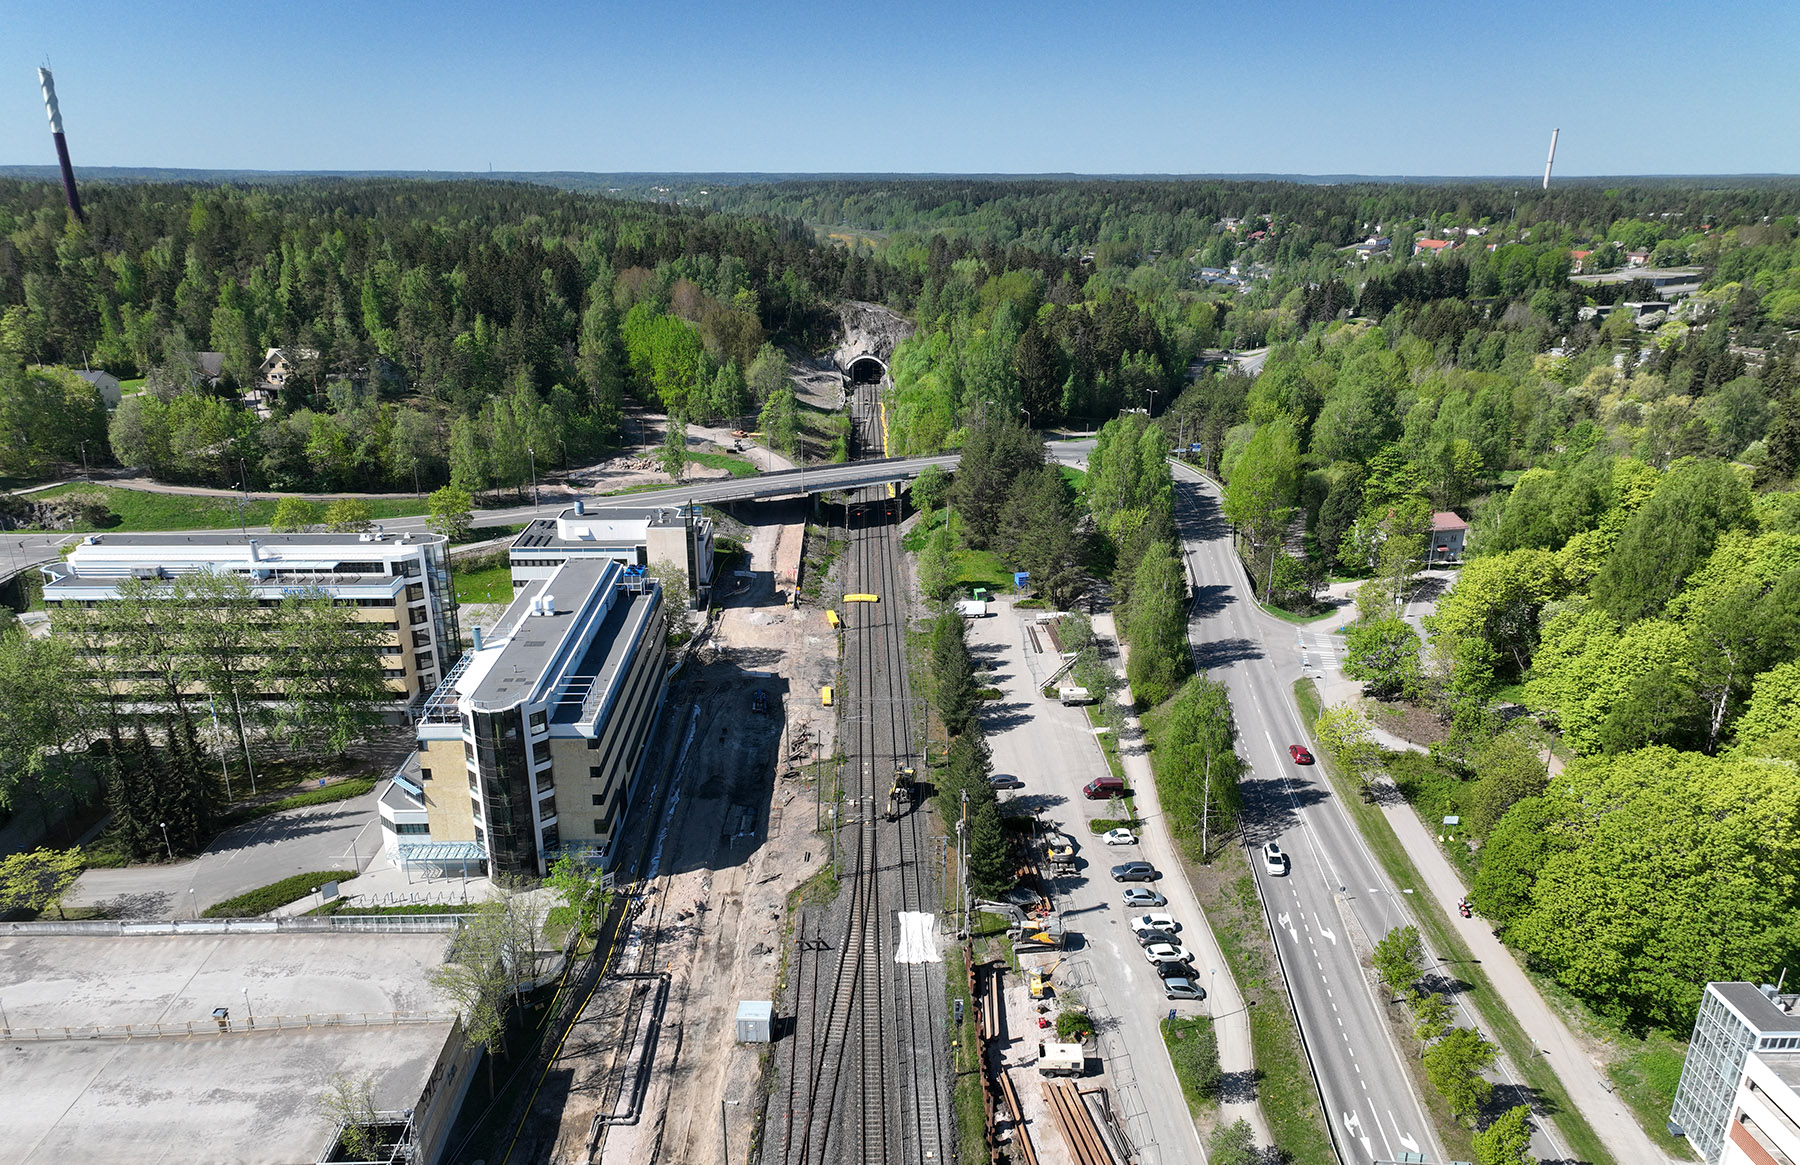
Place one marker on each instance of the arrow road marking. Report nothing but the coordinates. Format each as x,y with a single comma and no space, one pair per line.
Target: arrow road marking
1355,1127
1287,926
1328,934
1412,1146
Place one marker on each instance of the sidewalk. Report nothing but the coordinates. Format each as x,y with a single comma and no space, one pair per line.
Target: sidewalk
1232,1026
1589,1090
382,883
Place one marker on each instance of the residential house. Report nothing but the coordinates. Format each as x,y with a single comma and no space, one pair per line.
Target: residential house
1449,534
1431,246
105,383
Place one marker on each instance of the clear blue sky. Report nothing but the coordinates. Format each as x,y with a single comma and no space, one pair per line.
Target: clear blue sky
1324,86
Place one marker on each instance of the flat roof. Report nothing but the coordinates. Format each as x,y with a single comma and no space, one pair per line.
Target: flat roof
1785,1066
271,541
1755,1009
614,642
532,642
240,1096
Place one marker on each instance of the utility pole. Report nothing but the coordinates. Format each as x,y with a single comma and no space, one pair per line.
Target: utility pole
532,453
219,739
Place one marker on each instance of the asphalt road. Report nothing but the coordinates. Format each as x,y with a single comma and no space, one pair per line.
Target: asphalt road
1050,749
1334,896
19,550
340,835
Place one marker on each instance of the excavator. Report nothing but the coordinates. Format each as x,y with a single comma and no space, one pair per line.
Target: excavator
1042,932
1038,980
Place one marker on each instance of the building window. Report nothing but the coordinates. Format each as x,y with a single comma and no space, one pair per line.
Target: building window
424,774
539,720
599,825
540,752
422,660
414,592
421,639
596,772
413,828
552,839
599,800
419,615
393,673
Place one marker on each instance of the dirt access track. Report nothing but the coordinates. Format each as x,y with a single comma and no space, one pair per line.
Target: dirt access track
654,1060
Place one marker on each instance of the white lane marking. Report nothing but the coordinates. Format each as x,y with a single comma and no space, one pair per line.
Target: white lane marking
1412,1146
1355,1126
1328,934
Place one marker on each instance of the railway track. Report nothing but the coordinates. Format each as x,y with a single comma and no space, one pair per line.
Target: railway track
867,1069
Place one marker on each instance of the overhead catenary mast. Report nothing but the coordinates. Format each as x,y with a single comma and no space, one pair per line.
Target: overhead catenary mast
62,144
1551,161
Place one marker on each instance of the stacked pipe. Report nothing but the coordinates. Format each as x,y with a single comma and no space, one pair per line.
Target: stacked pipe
62,144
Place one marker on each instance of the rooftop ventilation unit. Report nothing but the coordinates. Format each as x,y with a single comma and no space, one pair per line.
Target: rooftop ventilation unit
549,604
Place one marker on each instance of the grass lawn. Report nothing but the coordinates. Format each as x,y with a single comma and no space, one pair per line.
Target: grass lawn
971,1121
486,584
734,465
1501,1025
140,511
1194,1051
974,568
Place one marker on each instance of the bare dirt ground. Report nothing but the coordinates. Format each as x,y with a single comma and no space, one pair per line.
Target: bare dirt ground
737,839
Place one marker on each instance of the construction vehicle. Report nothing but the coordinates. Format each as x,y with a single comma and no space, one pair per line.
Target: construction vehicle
900,793
759,701
1061,1059
1041,932
1059,850
1038,980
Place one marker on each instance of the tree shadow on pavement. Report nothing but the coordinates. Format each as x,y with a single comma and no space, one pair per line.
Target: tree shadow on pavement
1239,1087
1213,653
148,904
1210,600
1272,806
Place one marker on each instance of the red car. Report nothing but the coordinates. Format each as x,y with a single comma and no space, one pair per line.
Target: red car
1300,755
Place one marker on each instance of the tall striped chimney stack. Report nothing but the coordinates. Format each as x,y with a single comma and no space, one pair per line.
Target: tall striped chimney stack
62,144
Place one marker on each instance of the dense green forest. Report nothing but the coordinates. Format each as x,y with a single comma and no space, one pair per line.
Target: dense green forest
1632,585
437,330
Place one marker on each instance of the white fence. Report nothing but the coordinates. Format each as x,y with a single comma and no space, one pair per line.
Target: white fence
415,923
193,1028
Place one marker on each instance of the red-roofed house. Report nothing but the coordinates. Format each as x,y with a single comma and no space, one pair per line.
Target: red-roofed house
1449,533
1431,246
1579,257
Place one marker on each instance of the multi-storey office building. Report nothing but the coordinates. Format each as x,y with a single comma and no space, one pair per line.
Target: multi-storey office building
530,748
400,582
681,536
1745,1041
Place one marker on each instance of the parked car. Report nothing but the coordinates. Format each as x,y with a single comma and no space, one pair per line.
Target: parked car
1137,896
1274,860
1182,989
1119,837
1157,921
1300,755
1135,872
1167,953
1174,971
1100,788
1005,781
1150,937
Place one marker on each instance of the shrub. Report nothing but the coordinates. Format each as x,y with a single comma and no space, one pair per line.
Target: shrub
276,894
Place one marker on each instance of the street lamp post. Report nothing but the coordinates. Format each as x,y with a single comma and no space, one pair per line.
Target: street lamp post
84,463
166,845
532,453
1027,413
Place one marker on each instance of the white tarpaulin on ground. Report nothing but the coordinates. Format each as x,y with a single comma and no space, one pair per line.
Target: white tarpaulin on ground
918,943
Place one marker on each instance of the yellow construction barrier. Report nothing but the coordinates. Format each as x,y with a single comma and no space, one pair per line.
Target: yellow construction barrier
831,618
825,697
862,598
